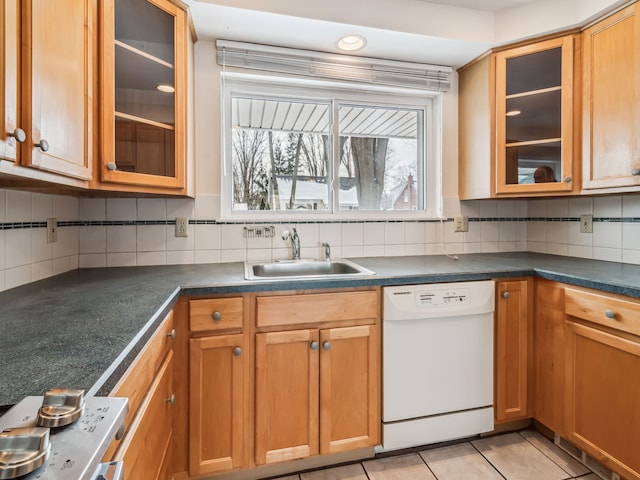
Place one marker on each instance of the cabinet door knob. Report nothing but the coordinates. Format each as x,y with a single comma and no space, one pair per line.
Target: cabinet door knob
18,134
111,166
237,351
42,145
609,314
172,334
635,172
506,295
314,345
171,399
216,316
567,179
326,345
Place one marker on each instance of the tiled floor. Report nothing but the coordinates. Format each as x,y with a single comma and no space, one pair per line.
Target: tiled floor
524,455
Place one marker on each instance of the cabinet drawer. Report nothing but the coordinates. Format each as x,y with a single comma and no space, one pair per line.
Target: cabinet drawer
146,444
603,309
215,314
316,308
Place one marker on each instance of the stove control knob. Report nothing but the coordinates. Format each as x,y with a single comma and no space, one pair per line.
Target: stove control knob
60,407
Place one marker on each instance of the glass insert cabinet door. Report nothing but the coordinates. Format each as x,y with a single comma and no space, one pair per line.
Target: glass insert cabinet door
534,117
144,96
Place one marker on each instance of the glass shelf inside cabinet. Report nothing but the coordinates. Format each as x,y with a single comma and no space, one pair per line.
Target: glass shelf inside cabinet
144,111
534,117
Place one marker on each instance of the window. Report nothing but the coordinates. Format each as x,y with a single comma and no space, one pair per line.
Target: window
314,148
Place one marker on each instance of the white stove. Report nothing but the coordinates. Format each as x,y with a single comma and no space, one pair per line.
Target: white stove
64,451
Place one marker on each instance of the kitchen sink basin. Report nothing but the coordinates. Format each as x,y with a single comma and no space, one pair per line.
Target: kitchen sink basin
287,269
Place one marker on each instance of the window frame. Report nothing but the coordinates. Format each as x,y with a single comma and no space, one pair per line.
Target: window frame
336,93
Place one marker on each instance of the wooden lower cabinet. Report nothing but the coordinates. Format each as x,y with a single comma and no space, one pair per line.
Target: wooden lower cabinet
146,450
603,395
316,392
218,372
602,372
513,349
287,376
549,355
349,388
146,446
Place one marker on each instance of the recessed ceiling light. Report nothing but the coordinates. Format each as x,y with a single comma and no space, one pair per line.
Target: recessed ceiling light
513,113
166,88
351,42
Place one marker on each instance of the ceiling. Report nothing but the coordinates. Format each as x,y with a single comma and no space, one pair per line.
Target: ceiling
440,32
487,5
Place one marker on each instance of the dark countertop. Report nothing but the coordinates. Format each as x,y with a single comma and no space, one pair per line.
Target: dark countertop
82,329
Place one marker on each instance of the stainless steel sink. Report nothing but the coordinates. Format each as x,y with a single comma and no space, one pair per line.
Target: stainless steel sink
303,269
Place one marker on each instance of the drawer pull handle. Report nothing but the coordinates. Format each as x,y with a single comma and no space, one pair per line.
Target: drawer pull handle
610,314
19,135
216,316
506,295
635,172
172,399
326,345
314,345
172,334
237,351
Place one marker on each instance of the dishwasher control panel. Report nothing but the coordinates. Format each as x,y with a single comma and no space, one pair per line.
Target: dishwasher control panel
438,298
414,302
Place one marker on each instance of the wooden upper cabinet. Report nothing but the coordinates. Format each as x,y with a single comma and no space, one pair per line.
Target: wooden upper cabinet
611,102
9,100
534,109
47,84
144,55
516,117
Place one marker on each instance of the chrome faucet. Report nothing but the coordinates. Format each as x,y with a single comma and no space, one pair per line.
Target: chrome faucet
327,251
295,242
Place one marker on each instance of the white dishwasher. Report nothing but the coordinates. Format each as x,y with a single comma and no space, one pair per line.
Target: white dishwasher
437,348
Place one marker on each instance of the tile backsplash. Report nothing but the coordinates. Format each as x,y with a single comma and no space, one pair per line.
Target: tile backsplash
554,227
25,255
99,232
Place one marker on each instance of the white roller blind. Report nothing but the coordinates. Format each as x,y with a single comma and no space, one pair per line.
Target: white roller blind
333,66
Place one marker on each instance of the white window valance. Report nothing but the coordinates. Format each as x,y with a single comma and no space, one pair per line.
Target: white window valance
333,66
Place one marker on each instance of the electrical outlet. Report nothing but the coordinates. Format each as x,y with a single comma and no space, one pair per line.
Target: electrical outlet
460,224
181,226
52,230
586,223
